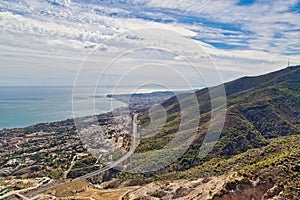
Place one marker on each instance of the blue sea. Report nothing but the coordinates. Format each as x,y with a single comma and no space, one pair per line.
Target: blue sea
21,106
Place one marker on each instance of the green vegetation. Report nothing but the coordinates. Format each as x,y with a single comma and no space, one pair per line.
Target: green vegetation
259,109
259,141
55,174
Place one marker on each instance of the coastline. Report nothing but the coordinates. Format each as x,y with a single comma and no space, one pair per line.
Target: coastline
137,102
25,106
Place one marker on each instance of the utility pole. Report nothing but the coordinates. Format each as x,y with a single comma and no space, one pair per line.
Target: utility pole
288,62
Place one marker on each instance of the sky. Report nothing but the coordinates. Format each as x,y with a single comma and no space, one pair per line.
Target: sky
53,42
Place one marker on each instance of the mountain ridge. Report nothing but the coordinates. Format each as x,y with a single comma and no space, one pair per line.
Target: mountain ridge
267,108
261,133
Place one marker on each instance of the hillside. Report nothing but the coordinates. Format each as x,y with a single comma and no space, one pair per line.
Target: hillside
260,110
271,172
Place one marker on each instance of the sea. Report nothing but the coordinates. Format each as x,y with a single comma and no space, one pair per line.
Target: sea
21,106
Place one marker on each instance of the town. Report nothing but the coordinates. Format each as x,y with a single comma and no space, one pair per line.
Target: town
52,153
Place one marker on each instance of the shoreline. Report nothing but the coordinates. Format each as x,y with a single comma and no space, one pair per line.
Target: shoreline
124,98
58,121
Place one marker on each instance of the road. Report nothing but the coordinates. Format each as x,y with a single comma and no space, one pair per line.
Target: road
135,143
17,192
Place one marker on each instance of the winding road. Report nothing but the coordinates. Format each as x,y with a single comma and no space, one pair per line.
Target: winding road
135,143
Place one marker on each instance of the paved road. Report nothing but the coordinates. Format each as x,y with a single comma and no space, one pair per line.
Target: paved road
45,187
135,143
17,192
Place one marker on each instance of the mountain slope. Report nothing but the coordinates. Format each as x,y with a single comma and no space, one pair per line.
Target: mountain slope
258,108
271,172
257,141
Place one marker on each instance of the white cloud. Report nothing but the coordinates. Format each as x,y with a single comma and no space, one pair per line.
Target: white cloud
31,29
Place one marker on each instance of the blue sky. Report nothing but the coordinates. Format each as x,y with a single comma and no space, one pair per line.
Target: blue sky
44,42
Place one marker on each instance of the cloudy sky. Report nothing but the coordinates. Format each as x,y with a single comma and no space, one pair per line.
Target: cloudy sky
46,42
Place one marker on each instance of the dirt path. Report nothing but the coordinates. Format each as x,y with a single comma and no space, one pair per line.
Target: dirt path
70,168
